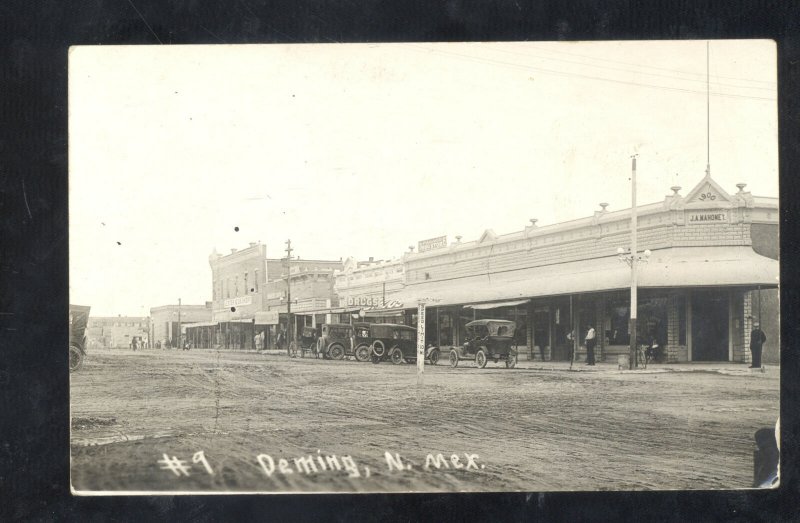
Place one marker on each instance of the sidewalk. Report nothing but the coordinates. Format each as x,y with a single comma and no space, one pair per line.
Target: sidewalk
722,367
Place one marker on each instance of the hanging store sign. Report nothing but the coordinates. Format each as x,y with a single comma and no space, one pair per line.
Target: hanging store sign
241,300
267,318
697,218
431,244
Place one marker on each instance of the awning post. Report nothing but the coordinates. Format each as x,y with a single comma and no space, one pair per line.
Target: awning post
420,341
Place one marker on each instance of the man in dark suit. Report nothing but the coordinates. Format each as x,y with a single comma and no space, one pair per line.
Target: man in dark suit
757,339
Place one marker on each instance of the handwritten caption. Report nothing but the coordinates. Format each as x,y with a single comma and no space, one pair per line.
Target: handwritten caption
325,463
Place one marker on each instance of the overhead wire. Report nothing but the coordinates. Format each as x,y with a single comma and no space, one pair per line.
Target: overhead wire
769,82
491,61
720,84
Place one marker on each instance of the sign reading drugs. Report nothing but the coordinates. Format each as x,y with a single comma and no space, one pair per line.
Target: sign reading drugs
364,301
431,244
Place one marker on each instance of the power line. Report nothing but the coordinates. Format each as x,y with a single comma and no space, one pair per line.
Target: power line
721,84
769,82
584,76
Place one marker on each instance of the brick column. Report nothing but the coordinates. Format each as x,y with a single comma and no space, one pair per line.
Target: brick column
746,326
673,328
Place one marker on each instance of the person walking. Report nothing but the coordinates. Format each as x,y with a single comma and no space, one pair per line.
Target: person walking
591,340
757,340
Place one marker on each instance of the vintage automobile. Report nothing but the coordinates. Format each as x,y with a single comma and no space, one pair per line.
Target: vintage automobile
394,342
487,340
78,319
341,339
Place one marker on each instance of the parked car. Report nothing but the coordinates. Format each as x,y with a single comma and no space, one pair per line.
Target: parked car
78,319
341,339
394,342
487,340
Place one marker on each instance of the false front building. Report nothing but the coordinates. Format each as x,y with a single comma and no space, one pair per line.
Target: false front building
712,268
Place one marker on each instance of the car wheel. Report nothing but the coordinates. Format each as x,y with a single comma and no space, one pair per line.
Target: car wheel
480,358
75,358
453,358
511,360
362,353
397,356
378,348
336,352
434,356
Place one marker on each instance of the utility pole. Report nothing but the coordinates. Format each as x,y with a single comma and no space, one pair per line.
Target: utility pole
634,279
179,324
289,290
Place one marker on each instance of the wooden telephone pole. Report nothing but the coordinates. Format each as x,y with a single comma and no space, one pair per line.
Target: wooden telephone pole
289,291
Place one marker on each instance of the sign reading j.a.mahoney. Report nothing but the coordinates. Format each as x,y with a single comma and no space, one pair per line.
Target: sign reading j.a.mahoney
706,217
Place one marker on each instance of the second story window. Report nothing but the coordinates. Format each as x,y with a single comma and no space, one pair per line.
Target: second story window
246,288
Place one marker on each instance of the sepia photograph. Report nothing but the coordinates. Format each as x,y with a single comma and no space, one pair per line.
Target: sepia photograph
424,267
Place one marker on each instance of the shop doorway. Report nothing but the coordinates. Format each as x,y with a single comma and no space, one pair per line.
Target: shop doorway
710,326
562,325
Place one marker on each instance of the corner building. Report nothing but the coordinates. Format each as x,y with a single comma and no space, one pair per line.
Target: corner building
713,269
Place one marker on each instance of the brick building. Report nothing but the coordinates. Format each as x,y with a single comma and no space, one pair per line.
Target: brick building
713,267
249,296
312,293
238,283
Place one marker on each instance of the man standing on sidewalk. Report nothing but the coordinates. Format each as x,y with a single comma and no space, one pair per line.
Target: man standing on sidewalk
591,340
757,339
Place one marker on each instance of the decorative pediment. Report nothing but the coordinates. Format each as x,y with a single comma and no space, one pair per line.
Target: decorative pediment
489,235
708,192
349,265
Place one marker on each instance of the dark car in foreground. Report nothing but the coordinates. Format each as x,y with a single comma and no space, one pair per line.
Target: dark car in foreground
338,340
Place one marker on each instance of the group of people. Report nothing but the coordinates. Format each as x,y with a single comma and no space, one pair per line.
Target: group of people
757,340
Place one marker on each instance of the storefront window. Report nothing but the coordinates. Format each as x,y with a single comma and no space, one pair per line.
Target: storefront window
682,320
652,323
618,312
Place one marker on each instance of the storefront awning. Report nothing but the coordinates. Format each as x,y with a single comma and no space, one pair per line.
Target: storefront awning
718,266
200,324
484,306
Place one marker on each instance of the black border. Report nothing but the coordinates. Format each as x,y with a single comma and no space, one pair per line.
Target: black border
34,40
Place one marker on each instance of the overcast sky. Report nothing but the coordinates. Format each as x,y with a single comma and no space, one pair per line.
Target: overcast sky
363,150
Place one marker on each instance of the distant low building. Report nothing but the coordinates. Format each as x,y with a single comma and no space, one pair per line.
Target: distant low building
167,321
116,332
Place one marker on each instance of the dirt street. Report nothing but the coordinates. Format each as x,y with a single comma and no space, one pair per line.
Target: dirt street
334,421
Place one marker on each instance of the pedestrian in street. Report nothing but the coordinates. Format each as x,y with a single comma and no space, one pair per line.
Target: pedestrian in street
757,340
591,340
